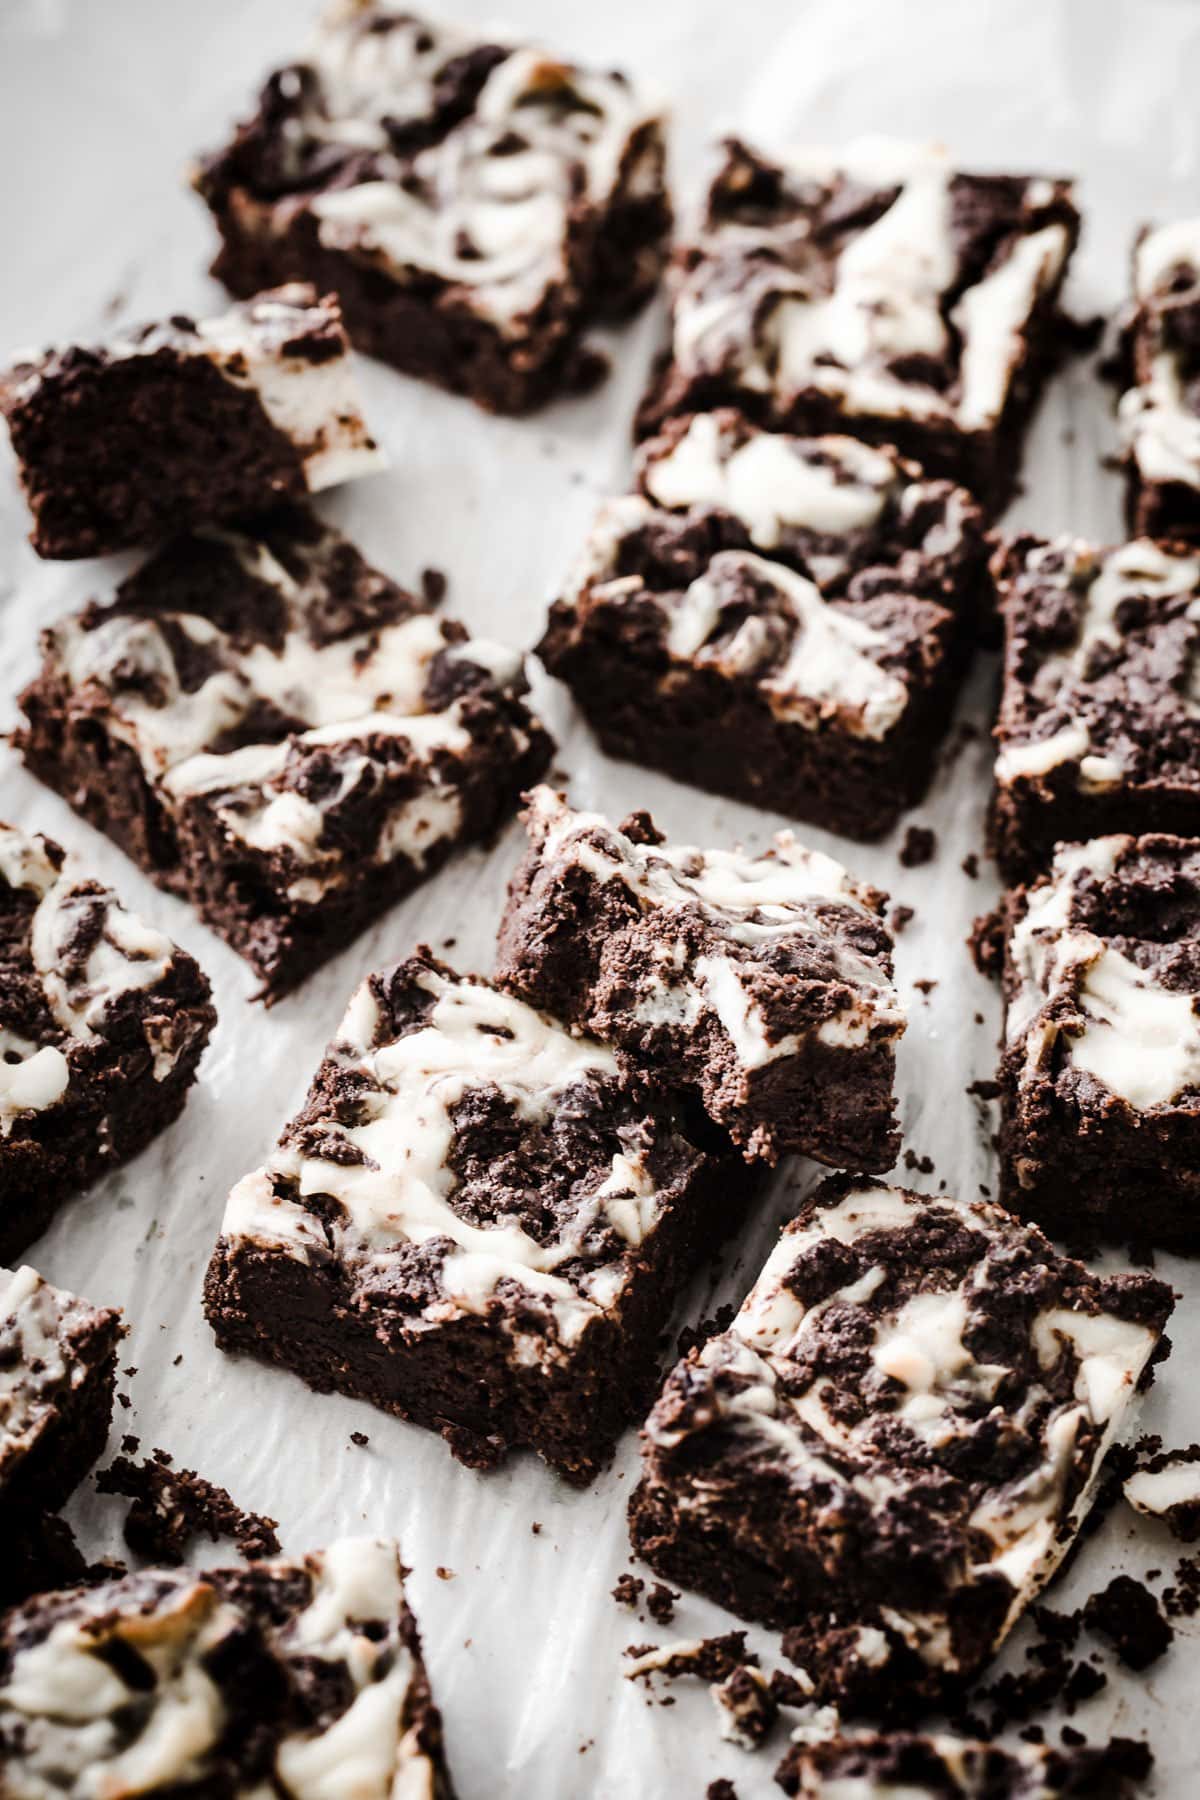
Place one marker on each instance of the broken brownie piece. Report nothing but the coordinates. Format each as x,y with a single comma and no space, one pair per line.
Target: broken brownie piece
877,290
1098,730
894,1444
277,731
943,1767
763,984
1100,1065
1167,1487
1159,416
180,423
296,1677
103,1021
475,1222
474,202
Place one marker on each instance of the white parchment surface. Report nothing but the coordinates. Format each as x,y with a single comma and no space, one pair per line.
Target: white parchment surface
100,108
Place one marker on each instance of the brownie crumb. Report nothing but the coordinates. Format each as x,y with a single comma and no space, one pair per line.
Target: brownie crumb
745,1707
899,917
1182,1599
693,1336
986,944
434,586
984,1090
360,1438
130,1444
536,1528
925,986
786,1690
628,1590
660,1603
710,1659
444,1574
172,1506
923,1164
970,865
1127,1614
1165,1486
720,1789
919,847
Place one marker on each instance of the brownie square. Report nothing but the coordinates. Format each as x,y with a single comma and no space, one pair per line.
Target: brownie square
876,290
302,1676
1158,413
277,731
892,1447
475,202
776,619
1099,728
103,1021
1100,1065
903,1763
761,985
475,1223
178,423
58,1366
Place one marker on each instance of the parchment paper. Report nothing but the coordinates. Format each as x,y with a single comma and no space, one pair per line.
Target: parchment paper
100,108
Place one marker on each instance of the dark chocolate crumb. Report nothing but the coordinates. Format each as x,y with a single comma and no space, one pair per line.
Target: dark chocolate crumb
984,1090
919,846
434,585
721,1789
786,1690
924,1164
925,986
986,944
970,865
660,1603
172,1506
628,1590
899,917
360,1438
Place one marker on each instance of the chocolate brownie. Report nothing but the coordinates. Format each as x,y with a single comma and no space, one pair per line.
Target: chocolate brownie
300,1677
58,1365
760,984
779,619
475,202
1100,1065
892,1447
861,1764
277,731
103,1021
474,1222
180,423
876,290
1159,414
1099,723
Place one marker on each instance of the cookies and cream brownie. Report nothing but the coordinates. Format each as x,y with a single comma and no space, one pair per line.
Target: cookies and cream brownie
172,425
474,201
276,730
1158,412
761,984
297,1678
908,1766
779,619
103,1021
1099,723
891,1448
878,290
1100,1065
475,1222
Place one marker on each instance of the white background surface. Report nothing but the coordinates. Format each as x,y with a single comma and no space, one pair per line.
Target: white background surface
100,108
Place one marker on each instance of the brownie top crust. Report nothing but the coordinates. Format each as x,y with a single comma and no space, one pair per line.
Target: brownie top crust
875,276
1158,414
1103,973
434,156
928,1389
779,947
49,1342
461,1154
287,346
173,1681
1099,675
78,975
269,674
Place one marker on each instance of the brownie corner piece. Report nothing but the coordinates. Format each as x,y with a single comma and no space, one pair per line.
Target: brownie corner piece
777,619
892,1447
297,1673
760,984
475,202
58,1365
938,1763
1158,415
280,733
180,423
1097,731
877,290
1100,1065
103,1020
476,1222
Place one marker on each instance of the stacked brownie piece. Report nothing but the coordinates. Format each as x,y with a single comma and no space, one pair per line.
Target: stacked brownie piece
475,202
1159,416
300,1677
276,730
58,1364
103,1021
878,290
892,1447
776,618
